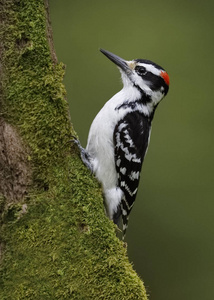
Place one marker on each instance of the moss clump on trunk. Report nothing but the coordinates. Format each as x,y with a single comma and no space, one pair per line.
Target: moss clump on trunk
56,242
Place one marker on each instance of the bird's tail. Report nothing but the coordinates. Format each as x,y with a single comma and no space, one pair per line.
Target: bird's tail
116,218
125,210
125,219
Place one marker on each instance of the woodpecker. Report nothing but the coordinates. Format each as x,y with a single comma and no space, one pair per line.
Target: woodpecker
119,135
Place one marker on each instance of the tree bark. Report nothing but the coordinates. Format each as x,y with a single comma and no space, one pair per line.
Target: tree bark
55,239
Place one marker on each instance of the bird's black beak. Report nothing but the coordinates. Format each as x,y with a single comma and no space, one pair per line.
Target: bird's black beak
121,63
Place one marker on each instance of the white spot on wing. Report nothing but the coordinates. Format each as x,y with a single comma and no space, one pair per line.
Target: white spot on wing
134,175
129,156
128,138
121,126
123,171
118,162
137,160
129,191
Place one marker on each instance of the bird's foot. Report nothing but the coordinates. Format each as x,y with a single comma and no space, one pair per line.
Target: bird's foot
83,153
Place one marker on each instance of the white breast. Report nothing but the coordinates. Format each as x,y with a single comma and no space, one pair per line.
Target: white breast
100,139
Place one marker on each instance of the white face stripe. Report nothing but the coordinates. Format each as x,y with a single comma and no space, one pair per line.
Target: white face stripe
150,68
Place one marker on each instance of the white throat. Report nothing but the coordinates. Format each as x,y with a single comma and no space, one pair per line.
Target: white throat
132,93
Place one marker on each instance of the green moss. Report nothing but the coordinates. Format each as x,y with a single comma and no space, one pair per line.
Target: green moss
61,245
65,247
34,94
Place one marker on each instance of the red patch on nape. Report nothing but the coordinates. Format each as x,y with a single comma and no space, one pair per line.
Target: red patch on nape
165,76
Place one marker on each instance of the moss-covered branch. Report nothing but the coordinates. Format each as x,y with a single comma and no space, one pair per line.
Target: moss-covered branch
56,242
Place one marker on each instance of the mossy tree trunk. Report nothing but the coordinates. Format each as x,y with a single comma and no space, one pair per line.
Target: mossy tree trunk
56,242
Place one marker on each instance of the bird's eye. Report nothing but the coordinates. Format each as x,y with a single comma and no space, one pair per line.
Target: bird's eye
141,70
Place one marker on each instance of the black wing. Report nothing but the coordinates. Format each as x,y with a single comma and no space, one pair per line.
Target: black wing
131,137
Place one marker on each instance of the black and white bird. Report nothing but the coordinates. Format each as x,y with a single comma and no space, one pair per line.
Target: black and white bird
119,135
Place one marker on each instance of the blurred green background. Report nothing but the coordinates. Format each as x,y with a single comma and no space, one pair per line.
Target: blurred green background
171,230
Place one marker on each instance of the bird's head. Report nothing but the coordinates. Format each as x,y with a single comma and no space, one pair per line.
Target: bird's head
149,78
